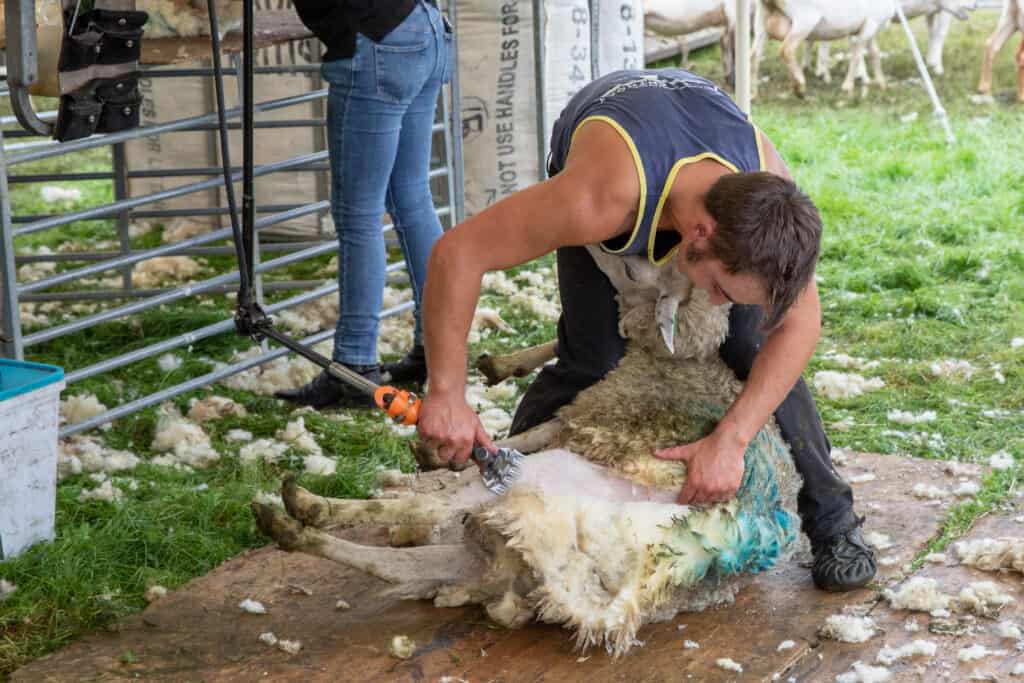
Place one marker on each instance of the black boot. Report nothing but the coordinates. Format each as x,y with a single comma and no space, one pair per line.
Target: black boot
843,562
326,392
412,368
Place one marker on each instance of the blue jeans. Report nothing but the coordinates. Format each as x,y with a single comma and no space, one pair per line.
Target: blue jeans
380,111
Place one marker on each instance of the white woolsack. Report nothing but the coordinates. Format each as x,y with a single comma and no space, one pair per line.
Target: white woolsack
729,665
838,386
919,594
929,491
909,418
169,362
80,408
1001,461
976,652
918,648
847,628
864,673
55,193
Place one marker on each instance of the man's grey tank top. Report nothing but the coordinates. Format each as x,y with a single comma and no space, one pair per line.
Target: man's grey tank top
668,118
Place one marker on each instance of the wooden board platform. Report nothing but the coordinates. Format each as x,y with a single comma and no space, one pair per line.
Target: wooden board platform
198,633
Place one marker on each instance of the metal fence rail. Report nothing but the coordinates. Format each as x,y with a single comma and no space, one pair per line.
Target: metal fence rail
19,148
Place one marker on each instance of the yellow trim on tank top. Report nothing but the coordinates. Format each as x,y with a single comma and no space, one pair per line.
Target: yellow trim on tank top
639,172
760,148
664,196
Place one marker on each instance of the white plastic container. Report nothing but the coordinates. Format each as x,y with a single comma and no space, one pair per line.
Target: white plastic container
29,406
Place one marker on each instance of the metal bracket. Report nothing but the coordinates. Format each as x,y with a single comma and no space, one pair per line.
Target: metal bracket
23,63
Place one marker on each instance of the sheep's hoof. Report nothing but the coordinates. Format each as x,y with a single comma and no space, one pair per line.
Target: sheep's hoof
800,91
275,523
304,506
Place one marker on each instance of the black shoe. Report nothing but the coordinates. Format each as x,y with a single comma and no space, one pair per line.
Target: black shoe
412,368
326,392
843,562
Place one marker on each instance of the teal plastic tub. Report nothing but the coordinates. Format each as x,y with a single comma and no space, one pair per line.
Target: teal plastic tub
29,406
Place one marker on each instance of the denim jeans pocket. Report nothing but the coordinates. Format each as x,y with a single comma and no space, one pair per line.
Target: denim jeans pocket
400,71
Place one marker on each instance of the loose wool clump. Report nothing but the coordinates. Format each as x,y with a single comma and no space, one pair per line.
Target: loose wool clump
847,628
966,489
984,598
929,491
953,369
214,408
993,554
238,435
252,606
728,665
296,435
154,593
1001,461
918,648
183,439
864,673
838,386
402,647
785,645
976,652
919,594
906,417
162,269
79,408
1008,630
169,362
105,491
266,450
83,453
277,375
6,588
55,193
880,541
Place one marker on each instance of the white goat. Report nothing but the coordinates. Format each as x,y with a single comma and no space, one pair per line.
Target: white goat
793,21
590,536
1010,21
678,17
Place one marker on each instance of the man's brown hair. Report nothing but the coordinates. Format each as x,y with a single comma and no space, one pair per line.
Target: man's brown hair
769,228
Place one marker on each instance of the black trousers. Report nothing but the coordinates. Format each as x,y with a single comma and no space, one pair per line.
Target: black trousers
589,346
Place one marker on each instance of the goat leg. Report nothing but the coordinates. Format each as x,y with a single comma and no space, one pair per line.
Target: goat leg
517,364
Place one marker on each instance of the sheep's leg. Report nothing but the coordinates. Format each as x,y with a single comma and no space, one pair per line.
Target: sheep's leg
939,24
876,63
439,564
517,364
757,50
323,513
823,68
857,46
1020,72
798,31
995,42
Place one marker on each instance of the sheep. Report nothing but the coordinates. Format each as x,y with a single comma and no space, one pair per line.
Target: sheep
590,535
1011,20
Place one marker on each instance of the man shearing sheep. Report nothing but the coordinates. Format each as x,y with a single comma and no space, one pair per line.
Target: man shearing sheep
661,163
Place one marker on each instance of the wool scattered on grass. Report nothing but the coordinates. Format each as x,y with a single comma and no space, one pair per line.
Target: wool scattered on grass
976,652
265,450
919,594
169,362
993,554
319,465
503,391
79,408
238,435
6,588
312,316
402,647
36,270
182,438
727,664
1016,342
847,628
252,606
105,491
296,436
864,673
83,453
164,269
909,418
182,229
959,469
966,489
212,408
279,374
879,540
918,648
395,335
845,361
1001,460
154,593
953,369
838,386
55,193
929,491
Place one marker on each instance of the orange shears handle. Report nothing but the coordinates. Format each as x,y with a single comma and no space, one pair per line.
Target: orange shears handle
400,405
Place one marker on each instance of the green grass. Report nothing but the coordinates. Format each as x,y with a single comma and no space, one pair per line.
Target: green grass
909,225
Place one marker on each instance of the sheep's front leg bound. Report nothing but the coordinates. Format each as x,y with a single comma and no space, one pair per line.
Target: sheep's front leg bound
435,565
323,513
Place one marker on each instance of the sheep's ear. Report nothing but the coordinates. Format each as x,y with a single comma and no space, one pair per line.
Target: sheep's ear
666,312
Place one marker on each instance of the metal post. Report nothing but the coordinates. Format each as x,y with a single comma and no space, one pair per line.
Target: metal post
741,55
539,82
120,193
453,127
10,315
940,112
